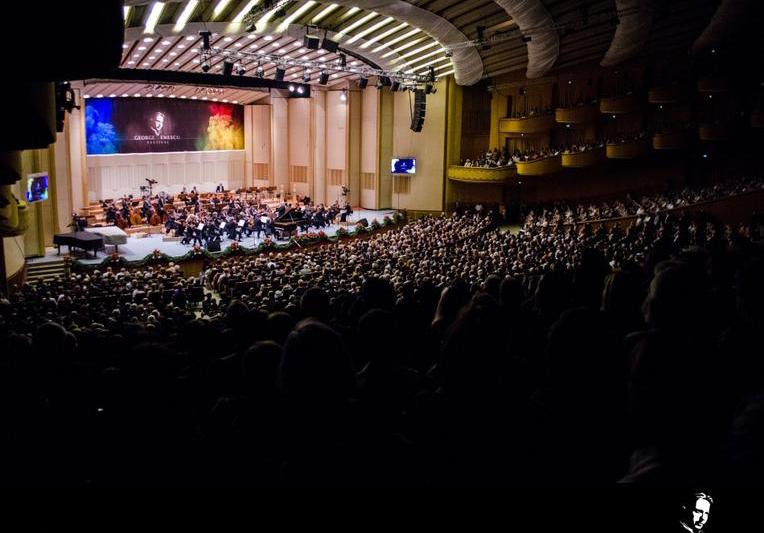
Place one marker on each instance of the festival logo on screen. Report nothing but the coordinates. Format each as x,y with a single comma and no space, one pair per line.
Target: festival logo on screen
121,125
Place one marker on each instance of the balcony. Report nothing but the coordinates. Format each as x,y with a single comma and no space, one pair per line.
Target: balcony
540,167
576,115
668,141
617,105
712,85
712,132
626,150
583,159
527,125
662,95
480,174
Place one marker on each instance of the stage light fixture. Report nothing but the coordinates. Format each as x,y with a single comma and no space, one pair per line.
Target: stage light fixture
280,71
363,82
206,66
259,71
291,88
449,52
526,38
344,95
300,89
205,39
379,84
343,61
310,42
306,76
227,68
240,70
324,78
428,88
395,86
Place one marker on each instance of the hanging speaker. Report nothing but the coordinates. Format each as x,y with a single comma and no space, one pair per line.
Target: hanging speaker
420,105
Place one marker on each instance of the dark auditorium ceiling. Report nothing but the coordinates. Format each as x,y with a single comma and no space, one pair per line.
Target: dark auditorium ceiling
562,33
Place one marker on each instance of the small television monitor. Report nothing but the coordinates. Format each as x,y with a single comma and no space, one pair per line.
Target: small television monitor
37,187
403,165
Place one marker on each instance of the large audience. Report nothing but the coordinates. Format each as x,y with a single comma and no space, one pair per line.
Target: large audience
448,352
646,205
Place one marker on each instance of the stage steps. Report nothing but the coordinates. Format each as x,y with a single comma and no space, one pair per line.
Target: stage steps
45,270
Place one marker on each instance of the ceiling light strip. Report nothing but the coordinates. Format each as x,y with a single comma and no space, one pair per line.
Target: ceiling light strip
221,5
349,13
324,12
153,18
294,16
424,66
370,29
420,58
397,40
373,40
243,13
188,10
415,52
361,21
404,47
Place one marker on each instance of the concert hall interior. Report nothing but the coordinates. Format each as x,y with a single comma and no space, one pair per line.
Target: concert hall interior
394,243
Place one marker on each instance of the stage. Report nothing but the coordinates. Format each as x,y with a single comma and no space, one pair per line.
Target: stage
138,248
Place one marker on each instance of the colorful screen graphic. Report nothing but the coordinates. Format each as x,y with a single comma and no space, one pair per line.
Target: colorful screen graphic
37,187
139,125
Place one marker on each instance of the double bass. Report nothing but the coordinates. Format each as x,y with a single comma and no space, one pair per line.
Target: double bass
120,222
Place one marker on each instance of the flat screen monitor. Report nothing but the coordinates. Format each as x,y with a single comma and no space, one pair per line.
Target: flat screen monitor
403,165
37,187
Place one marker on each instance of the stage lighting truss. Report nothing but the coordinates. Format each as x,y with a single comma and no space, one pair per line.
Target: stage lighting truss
243,58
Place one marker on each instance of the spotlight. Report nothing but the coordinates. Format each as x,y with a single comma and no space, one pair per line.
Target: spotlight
206,66
379,83
306,76
240,70
431,74
291,88
344,95
386,81
343,61
250,27
280,71
227,68
205,39
300,89
323,78
526,38
363,82
449,52
259,71
395,86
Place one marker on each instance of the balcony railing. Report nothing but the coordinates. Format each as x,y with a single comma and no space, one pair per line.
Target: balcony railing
481,174
583,159
626,150
668,141
535,124
617,105
540,167
576,115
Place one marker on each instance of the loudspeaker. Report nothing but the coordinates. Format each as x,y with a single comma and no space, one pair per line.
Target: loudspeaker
363,223
329,45
213,246
310,42
420,104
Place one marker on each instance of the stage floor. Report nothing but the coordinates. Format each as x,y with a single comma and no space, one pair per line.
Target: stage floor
137,249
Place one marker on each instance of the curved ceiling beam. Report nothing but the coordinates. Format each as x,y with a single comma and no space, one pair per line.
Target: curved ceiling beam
468,65
534,21
730,16
635,18
228,28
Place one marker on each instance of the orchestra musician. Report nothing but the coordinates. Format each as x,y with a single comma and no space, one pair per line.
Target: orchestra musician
135,218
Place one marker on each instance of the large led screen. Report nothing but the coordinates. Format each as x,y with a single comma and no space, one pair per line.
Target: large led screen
139,125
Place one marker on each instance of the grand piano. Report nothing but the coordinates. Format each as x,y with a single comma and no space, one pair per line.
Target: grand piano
285,225
79,239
